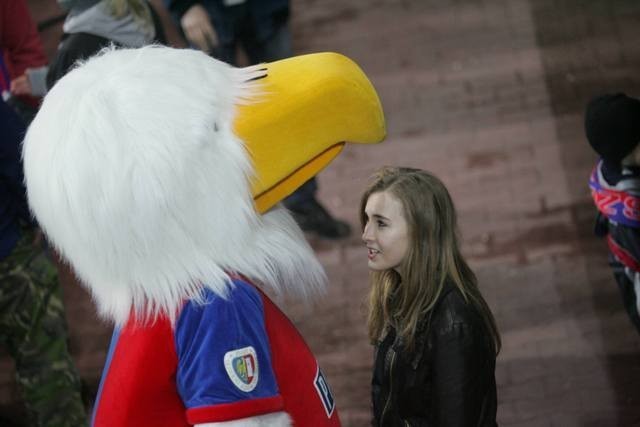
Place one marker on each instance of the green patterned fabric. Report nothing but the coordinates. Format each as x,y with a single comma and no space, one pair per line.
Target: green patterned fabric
33,330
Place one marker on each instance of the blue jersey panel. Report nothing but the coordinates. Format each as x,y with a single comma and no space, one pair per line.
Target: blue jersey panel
105,370
223,350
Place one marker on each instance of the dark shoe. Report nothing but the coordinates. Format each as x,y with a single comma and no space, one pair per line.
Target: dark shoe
312,217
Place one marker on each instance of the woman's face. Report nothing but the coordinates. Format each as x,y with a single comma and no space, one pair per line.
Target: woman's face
386,233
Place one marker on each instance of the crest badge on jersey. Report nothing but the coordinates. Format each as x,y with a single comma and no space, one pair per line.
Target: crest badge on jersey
242,368
322,387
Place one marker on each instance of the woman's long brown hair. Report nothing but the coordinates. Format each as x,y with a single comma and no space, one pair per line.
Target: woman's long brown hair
433,258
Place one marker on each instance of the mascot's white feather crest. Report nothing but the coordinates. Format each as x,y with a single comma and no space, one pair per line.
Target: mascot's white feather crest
135,175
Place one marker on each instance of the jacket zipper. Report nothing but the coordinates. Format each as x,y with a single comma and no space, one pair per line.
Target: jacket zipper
386,404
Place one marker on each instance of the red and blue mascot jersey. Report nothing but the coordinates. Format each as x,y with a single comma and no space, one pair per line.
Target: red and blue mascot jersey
227,359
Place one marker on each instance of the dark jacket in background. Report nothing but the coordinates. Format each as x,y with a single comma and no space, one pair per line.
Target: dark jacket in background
267,16
13,201
447,381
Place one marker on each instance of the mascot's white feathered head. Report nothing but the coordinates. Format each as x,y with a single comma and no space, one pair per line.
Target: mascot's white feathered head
156,171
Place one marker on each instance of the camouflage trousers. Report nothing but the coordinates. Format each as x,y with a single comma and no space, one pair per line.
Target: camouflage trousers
33,330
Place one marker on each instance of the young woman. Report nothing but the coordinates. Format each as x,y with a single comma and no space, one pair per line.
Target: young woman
436,340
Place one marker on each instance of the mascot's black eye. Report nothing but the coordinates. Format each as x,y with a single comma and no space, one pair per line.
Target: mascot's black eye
215,127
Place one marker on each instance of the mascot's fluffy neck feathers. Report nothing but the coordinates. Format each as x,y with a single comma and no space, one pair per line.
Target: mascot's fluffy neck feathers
142,185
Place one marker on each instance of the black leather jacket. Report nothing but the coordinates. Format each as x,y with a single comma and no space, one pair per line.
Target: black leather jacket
449,379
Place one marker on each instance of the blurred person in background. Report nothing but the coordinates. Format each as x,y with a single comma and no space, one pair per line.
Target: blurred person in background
32,322
92,25
435,337
261,27
23,59
612,124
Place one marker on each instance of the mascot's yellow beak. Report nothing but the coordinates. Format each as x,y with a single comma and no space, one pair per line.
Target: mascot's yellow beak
312,104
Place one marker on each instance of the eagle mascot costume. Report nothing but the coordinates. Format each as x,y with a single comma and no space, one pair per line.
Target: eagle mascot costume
156,173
